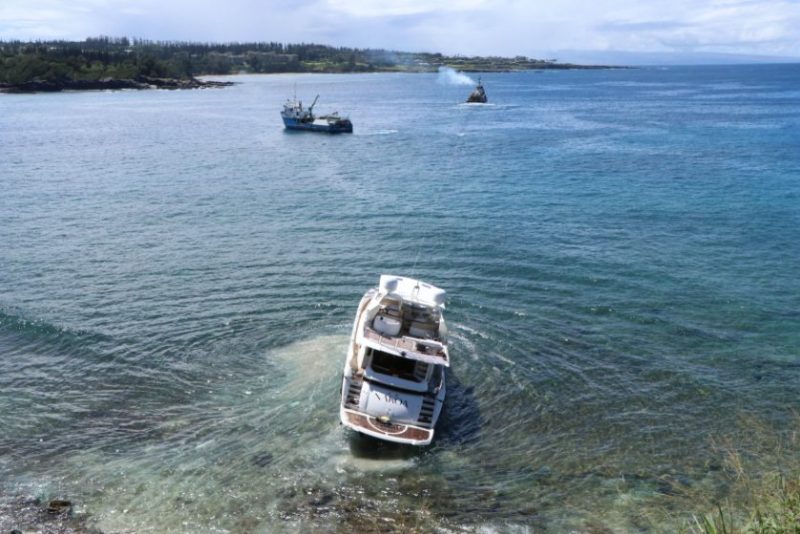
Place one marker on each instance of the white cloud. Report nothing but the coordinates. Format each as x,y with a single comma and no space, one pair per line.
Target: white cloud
384,8
739,27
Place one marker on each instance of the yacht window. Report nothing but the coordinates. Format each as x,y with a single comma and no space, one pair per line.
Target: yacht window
388,364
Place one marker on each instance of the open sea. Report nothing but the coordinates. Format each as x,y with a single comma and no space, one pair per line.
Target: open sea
621,251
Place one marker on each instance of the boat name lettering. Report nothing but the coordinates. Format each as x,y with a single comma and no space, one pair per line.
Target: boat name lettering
388,398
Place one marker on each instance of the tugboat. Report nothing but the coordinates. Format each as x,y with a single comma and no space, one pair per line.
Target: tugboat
296,118
478,96
393,384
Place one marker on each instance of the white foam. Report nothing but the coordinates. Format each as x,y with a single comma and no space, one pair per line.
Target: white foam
346,462
377,132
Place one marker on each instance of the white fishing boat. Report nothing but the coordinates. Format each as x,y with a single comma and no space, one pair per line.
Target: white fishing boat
394,376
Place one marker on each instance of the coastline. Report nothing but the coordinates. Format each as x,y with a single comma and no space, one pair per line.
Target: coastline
108,63
143,82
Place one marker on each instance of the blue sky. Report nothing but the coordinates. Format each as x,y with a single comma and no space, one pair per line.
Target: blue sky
564,29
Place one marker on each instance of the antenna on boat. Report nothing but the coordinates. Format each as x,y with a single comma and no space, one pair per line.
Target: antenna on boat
414,268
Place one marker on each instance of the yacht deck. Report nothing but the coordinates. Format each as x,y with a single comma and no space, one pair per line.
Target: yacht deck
429,351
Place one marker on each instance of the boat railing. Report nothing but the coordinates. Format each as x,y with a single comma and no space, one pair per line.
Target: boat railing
426,350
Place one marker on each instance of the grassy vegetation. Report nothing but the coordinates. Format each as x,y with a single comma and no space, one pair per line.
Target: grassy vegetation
775,509
765,504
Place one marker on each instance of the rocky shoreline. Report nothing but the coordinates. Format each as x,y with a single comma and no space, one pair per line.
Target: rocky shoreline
142,82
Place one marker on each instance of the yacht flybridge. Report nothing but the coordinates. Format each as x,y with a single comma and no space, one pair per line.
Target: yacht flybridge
394,382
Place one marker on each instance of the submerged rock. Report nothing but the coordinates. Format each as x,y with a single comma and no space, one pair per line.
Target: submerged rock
322,500
28,514
59,507
262,459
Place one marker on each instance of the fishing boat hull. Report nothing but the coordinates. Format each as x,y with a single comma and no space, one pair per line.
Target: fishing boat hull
340,126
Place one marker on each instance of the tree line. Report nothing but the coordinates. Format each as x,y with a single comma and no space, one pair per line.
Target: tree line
122,58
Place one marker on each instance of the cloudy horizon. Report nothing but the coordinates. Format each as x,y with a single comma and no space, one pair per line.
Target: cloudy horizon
675,31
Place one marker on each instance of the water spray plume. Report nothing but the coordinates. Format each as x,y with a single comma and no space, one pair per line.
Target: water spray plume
448,76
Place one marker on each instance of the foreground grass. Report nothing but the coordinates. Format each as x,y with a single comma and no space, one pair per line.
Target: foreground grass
768,504
776,510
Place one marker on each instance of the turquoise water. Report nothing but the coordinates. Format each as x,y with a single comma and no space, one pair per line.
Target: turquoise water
178,277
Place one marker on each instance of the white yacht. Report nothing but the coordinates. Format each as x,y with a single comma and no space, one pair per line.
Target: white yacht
394,381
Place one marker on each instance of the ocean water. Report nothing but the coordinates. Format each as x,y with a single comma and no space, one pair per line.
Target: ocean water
621,249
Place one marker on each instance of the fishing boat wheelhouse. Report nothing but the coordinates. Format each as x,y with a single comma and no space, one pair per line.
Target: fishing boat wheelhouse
478,95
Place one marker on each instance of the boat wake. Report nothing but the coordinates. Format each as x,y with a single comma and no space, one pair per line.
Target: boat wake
378,132
478,104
